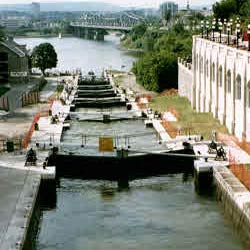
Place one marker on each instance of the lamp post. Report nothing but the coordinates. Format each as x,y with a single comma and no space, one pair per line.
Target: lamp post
248,36
231,26
220,29
207,27
225,25
213,27
237,34
202,26
228,32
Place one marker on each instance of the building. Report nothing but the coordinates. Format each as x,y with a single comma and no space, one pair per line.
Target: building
169,9
218,81
14,22
14,62
35,9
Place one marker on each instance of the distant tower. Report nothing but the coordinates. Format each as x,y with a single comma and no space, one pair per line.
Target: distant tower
35,9
188,6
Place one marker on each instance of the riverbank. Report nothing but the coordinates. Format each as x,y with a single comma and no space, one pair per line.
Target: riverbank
30,35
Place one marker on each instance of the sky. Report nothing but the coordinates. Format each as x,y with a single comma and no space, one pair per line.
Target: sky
131,3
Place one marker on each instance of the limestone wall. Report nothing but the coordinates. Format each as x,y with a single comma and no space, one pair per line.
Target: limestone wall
221,84
185,79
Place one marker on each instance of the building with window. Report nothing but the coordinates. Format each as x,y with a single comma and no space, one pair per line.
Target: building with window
35,9
168,9
14,22
14,62
220,84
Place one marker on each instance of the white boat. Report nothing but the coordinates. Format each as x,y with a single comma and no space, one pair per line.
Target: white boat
60,35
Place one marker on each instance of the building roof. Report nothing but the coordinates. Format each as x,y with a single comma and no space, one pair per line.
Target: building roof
14,47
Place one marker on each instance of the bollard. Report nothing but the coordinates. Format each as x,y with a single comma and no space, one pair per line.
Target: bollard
106,118
203,176
122,153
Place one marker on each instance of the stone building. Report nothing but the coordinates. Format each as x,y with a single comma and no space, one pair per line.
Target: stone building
14,62
219,83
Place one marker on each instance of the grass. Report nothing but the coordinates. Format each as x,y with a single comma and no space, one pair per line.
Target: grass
189,120
3,90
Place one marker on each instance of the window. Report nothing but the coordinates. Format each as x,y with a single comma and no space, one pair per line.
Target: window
238,87
248,94
229,81
201,65
213,72
207,69
220,76
197,61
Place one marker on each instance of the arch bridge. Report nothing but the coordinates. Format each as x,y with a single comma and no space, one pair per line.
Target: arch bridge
95,27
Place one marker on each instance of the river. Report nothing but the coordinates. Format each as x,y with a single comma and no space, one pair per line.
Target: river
159,212
88,55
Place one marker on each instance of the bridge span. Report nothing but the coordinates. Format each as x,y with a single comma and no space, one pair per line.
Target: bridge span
95,31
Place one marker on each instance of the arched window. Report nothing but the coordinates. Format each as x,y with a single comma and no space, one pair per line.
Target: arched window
248,94
201,64
220,76
238,87
197,61
213,72
207,70
229,81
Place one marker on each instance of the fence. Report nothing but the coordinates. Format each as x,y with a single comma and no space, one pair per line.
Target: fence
10,145
27,137
30,98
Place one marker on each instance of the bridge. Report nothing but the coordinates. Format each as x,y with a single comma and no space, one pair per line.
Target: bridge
95,27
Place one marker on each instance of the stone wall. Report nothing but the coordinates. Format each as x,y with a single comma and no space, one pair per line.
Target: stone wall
221,84
185,78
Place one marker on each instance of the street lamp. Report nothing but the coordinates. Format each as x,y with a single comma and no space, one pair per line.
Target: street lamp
228,32
202,26
220,29
237,34
248,36
207,27
213,27
231,26
225,25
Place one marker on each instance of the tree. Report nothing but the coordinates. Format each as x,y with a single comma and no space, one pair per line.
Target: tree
245,10
225,9
44,57
2,34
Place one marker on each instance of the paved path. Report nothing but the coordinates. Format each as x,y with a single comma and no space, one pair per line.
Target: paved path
18,192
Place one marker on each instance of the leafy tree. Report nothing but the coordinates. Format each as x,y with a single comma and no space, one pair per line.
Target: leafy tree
167,15
224,9
245,10
2,34
44,57
227,8
138,31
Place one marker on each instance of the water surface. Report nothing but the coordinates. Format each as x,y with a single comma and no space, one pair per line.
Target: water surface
85,54
156,213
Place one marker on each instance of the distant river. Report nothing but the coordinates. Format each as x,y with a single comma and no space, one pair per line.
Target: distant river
156,213
85,54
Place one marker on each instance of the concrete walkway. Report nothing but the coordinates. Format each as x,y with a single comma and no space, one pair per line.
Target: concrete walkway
19,190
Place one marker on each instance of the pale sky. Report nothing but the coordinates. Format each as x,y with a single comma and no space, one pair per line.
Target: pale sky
135,3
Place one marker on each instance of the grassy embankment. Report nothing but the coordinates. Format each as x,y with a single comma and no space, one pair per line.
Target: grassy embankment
188,120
